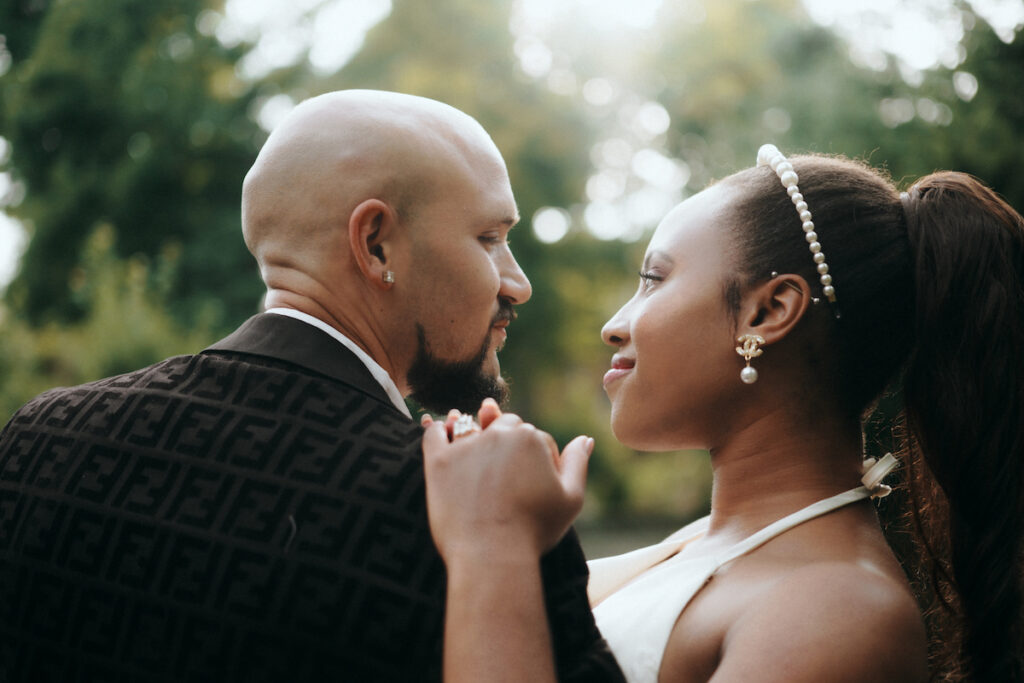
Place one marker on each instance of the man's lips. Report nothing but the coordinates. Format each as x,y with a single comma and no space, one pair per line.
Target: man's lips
506,314
620,366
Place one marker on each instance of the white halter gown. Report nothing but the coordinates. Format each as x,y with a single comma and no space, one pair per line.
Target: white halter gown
640,595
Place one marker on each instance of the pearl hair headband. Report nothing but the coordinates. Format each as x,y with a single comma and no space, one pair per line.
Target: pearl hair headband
769,155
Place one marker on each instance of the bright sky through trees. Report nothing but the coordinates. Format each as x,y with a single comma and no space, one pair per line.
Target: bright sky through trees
921,34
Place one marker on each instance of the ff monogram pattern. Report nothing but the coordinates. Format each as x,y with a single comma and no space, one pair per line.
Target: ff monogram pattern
251,513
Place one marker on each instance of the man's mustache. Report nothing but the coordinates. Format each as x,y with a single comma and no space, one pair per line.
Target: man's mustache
506,312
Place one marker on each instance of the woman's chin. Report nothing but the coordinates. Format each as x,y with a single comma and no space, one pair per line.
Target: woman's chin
635,436
652,438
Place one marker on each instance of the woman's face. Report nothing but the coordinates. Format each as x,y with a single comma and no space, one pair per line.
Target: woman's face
675,366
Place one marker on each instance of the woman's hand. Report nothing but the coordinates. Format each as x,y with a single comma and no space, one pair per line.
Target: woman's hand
503,492
488,413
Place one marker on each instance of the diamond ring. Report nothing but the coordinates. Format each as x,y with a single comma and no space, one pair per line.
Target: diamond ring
464,426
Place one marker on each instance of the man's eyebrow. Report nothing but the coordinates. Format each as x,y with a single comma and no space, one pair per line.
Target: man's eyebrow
506,221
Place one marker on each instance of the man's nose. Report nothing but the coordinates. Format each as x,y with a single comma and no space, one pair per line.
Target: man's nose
514,284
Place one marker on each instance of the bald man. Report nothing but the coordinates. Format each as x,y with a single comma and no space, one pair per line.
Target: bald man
386,217
256,512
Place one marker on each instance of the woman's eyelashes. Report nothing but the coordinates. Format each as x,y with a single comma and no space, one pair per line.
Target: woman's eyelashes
648,278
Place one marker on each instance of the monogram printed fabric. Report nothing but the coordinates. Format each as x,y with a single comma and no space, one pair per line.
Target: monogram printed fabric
252,513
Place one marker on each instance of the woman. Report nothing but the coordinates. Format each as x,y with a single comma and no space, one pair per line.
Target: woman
764,333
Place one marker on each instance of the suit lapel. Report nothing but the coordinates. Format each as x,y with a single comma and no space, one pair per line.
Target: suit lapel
296,342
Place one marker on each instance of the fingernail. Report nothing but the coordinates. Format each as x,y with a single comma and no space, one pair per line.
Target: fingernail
489,401
590,445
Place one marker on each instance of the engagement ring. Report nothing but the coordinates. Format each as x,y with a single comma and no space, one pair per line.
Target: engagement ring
464,425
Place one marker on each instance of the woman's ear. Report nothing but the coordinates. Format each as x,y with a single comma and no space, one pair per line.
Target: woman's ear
773,309
371,229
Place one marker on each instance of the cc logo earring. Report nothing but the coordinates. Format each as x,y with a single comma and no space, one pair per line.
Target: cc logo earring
750,348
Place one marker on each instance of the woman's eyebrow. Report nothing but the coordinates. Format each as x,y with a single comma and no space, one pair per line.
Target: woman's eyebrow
658,255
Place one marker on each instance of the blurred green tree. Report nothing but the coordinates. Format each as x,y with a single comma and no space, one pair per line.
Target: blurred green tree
461,52
731,76
984,94
131,131
128,114
126,296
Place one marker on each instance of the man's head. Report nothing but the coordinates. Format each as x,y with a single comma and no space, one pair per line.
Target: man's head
387,216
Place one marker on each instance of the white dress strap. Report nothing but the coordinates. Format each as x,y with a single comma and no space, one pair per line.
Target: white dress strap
637,617
788,522
609,574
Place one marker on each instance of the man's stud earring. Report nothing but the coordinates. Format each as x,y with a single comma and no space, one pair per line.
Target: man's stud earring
388,276
749,349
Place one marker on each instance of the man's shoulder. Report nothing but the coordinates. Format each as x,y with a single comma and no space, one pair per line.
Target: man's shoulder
232,394
70,397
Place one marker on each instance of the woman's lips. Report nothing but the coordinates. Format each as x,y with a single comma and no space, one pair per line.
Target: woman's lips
620,367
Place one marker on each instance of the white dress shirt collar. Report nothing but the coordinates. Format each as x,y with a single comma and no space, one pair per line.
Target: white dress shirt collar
379,373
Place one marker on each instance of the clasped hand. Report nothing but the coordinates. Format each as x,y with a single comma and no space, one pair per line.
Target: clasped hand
502,492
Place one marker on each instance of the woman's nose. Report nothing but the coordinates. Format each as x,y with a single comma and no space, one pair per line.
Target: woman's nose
616,331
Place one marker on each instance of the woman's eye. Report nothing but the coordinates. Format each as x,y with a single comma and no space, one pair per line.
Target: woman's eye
647,279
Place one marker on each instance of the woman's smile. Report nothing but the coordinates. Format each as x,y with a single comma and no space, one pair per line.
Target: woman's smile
620,366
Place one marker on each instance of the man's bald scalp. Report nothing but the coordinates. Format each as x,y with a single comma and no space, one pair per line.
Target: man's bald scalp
336,150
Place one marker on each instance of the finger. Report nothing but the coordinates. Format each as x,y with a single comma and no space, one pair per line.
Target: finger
488,413
575,459
426,420
435,437
509,420
549,441
449,421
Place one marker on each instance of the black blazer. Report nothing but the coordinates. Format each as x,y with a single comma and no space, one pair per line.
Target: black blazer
254,512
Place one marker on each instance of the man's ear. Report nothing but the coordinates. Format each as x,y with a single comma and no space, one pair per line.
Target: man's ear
773,309
371,229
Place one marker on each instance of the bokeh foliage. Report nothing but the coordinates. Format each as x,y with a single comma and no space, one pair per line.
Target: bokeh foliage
124,113
131,130
127,325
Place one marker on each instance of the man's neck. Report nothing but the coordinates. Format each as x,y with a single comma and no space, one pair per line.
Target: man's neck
379,372
360,335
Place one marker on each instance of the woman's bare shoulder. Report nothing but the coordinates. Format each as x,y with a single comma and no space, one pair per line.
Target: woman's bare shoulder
836,621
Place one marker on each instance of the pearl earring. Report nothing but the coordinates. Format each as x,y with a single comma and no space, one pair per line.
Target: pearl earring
749,349
388,276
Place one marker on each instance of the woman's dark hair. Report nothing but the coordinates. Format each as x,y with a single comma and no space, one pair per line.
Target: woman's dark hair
929,287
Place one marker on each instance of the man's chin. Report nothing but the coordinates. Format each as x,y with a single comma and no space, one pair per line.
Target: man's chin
465,398
440,385
491,367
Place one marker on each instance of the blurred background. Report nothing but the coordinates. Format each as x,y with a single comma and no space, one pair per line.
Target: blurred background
126,127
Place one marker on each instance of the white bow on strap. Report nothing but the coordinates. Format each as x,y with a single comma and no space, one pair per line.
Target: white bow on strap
877,470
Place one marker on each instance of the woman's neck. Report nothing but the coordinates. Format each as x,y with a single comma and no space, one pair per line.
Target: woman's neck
776,464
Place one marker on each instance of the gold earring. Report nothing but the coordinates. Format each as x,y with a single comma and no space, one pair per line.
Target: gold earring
388,276
749,349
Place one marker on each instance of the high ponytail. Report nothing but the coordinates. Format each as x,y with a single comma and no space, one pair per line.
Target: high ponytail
930,284
964,397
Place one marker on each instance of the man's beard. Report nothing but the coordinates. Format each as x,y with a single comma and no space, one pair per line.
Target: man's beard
440,385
